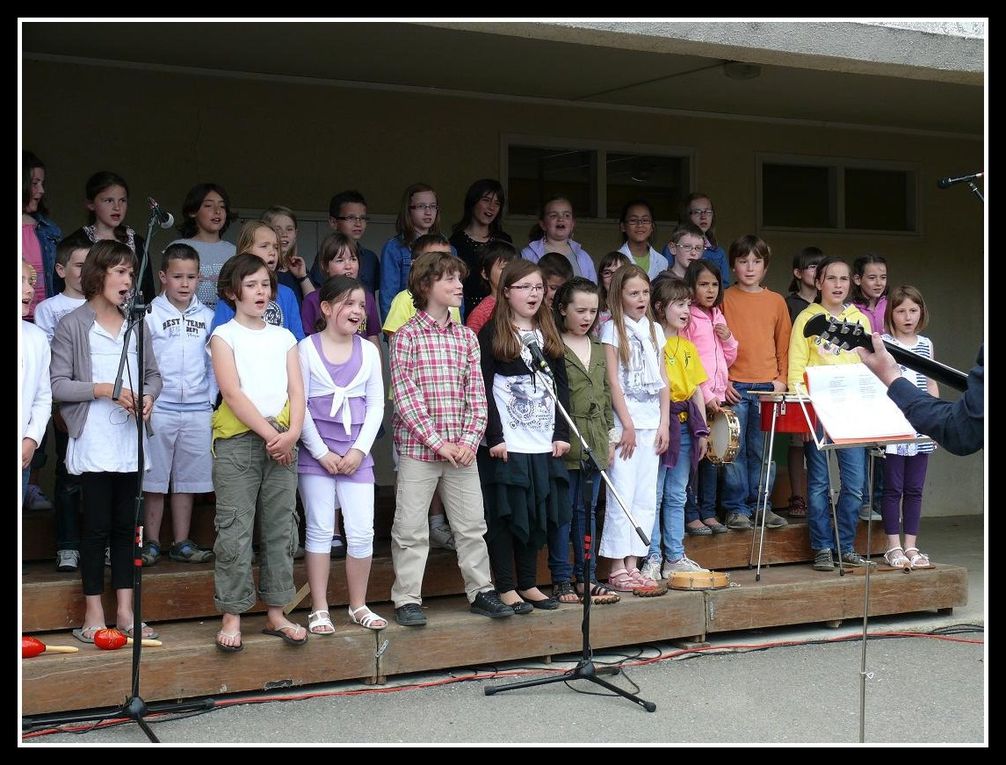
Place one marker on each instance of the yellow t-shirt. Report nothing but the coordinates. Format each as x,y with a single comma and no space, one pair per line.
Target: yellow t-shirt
402,309
684,369
804,352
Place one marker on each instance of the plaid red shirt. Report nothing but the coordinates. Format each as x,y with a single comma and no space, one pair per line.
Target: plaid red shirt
437,387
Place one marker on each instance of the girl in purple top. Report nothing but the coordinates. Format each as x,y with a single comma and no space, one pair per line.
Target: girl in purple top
338,256
345,406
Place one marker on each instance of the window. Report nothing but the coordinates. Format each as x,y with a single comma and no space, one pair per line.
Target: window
597,178
838,195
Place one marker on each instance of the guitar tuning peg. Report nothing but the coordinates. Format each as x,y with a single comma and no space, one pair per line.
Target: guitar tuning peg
818,340
836,350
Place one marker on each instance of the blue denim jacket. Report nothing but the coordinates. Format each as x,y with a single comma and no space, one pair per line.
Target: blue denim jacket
49,235
396,262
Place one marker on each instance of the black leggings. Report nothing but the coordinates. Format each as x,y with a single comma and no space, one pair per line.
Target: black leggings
504,549
108,515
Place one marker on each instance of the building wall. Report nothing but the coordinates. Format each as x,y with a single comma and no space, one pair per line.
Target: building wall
296,143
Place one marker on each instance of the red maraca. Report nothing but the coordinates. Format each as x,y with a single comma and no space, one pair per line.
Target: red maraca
31,647
110,640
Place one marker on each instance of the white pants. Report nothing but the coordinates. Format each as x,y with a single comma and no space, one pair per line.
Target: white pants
318,493
635,479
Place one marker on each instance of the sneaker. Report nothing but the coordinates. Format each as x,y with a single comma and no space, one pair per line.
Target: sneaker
36,500
411,615
823,561
67,560
738,521
338,548
853,558
651,569
864,515
488,603
188,551
683,564
442,537
772,521
108,557
150,553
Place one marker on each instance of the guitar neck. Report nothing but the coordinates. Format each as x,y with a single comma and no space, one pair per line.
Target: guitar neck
933,369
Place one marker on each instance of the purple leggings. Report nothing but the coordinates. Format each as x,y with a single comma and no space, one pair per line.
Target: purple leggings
903,477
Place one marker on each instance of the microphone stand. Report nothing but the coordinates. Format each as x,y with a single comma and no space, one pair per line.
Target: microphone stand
974,188
585,668
134,707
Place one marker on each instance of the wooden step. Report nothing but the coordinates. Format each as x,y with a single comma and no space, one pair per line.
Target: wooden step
798,595
189,665
38,530
174,591
454,637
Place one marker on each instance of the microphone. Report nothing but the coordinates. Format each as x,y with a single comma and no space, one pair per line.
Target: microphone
164,218
946,183
530,341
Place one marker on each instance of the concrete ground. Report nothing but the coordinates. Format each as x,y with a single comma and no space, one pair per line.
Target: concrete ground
750,690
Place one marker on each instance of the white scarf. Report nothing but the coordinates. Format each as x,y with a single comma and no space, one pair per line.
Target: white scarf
649,378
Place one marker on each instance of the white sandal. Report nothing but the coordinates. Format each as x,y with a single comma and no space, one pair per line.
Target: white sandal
369,619
917,558
896,558
320,623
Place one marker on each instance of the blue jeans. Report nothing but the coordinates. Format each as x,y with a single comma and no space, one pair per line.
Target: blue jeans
576,528
669,525
740,477
701,502
852,472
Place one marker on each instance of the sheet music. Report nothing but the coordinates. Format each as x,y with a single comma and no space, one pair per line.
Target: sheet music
853,406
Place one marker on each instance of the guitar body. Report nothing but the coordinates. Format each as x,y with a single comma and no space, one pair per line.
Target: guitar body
846,335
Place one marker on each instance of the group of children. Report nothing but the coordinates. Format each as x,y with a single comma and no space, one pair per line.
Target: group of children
264,364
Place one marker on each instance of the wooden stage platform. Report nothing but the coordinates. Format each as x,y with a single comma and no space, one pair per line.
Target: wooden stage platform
178,600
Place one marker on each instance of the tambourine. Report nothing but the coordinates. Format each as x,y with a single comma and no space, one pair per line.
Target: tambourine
698,580
724,437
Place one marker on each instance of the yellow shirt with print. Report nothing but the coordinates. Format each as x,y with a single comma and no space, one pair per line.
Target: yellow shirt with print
684,369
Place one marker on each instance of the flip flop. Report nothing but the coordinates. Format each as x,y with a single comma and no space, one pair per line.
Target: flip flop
229,648
282,633
86,634
128,631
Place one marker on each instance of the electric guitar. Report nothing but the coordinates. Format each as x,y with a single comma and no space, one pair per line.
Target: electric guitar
841,335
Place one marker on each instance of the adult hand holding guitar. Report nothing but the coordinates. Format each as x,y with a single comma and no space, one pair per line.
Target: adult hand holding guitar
958,426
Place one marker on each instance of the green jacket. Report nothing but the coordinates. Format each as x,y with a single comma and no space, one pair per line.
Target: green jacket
590,405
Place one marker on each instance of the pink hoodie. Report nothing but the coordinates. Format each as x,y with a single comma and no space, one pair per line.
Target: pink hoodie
716,354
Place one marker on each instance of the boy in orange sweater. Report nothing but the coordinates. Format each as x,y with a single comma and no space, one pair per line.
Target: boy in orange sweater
760,321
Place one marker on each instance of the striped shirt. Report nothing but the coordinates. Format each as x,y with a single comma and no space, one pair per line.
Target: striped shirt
923,347
437,387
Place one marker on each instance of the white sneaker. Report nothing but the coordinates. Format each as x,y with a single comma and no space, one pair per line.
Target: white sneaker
651,569
685,564
442,537
67,560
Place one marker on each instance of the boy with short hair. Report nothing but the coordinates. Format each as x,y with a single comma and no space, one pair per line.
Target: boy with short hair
759,320
440,417
686,246
70,256
347,214
180,447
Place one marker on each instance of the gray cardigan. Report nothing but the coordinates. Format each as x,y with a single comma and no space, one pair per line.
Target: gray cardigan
70,370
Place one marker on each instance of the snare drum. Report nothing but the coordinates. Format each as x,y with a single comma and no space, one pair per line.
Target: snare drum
724,437
789,417
698,580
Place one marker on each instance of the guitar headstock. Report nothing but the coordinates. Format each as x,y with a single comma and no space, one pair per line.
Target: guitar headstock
837,335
